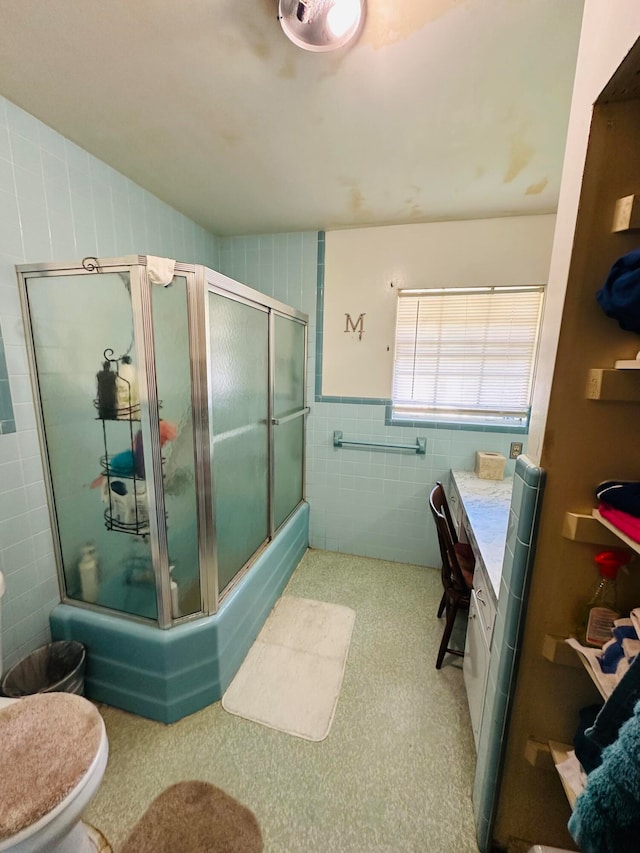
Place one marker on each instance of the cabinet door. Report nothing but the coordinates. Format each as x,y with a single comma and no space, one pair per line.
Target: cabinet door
484,599
453,499
475,667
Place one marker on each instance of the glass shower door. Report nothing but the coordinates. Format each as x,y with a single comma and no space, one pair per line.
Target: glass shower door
288,417
83,346
238,412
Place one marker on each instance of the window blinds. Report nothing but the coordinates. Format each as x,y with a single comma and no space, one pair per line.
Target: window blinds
466,354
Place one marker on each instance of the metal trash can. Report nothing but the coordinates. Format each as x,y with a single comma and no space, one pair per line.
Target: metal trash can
57,667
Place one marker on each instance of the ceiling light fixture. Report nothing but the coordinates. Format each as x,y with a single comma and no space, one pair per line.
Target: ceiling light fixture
320,25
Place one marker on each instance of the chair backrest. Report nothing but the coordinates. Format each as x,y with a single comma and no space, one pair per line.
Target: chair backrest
452,576
438,503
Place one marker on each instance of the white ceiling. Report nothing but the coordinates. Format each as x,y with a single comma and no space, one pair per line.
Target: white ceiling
444,109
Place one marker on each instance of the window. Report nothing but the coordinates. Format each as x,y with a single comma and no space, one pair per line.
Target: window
466,355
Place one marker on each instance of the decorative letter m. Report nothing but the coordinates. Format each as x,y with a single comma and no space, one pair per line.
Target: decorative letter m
358,326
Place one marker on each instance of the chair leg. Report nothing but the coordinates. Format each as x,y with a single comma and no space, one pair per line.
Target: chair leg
443,601
452,610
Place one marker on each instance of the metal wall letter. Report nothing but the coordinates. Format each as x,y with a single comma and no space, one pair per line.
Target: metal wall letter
358,326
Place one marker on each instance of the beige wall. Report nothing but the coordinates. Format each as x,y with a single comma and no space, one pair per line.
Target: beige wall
608,32
362,264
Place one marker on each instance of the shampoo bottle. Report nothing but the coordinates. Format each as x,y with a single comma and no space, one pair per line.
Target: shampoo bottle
599,613
88,570
106,379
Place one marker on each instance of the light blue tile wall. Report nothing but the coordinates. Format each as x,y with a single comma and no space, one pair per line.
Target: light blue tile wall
59,203
363,501
526,500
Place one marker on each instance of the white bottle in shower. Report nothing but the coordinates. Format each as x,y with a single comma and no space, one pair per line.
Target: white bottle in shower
175,595
88,569
127,395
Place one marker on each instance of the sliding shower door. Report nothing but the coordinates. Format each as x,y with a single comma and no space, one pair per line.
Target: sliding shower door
239,422
288,416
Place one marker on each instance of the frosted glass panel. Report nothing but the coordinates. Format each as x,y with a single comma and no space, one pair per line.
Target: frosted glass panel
288,398
74,320
171,333
239,443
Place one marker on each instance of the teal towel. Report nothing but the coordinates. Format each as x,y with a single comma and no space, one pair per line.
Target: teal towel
606,818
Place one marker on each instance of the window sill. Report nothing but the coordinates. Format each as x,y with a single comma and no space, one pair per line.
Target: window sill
434,423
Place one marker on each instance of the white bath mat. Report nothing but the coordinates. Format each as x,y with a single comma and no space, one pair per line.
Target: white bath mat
291,678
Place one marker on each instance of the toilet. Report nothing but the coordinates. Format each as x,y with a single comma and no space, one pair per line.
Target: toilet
56,747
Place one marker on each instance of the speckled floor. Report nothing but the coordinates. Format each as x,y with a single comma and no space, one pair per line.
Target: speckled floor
396,771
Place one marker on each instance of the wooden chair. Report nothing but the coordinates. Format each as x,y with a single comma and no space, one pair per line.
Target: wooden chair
456,582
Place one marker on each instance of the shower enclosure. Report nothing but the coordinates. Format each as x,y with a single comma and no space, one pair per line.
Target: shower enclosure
172,427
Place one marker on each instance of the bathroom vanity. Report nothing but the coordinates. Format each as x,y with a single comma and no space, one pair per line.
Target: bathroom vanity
480,510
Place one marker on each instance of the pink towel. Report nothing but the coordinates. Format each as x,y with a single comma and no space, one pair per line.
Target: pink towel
627,524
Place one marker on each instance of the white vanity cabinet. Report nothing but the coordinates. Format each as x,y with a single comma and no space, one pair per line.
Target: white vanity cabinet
475,666
481,509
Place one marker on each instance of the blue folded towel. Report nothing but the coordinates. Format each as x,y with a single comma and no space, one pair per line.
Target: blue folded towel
612,654
624,632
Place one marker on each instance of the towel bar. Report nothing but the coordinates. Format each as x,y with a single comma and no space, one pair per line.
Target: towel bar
419,447
287,418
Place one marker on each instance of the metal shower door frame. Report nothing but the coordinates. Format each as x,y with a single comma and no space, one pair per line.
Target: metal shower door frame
135,267
216,282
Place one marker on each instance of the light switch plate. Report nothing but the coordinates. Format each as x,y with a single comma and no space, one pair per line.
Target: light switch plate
515,450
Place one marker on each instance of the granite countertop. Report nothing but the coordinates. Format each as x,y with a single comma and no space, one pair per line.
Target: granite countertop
486,506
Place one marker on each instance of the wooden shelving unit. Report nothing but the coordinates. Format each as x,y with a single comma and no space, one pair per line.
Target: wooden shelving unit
587,433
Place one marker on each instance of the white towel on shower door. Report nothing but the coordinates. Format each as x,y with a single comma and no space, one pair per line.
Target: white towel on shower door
160,270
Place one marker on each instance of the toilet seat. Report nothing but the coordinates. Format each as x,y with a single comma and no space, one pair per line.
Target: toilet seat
80,757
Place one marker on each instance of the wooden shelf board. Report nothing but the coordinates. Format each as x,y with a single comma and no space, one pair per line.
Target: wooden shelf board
584,660
538,754
615,385
580,527
556,650
628,364
635,546
559,651
559,753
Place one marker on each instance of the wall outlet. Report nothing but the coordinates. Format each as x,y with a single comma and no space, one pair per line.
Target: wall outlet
515,450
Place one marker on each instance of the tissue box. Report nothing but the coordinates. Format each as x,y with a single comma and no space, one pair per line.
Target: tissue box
490,465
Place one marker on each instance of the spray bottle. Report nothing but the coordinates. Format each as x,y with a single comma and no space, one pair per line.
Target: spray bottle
599,613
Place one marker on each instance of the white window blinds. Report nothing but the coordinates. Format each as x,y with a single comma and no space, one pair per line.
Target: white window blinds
466,354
